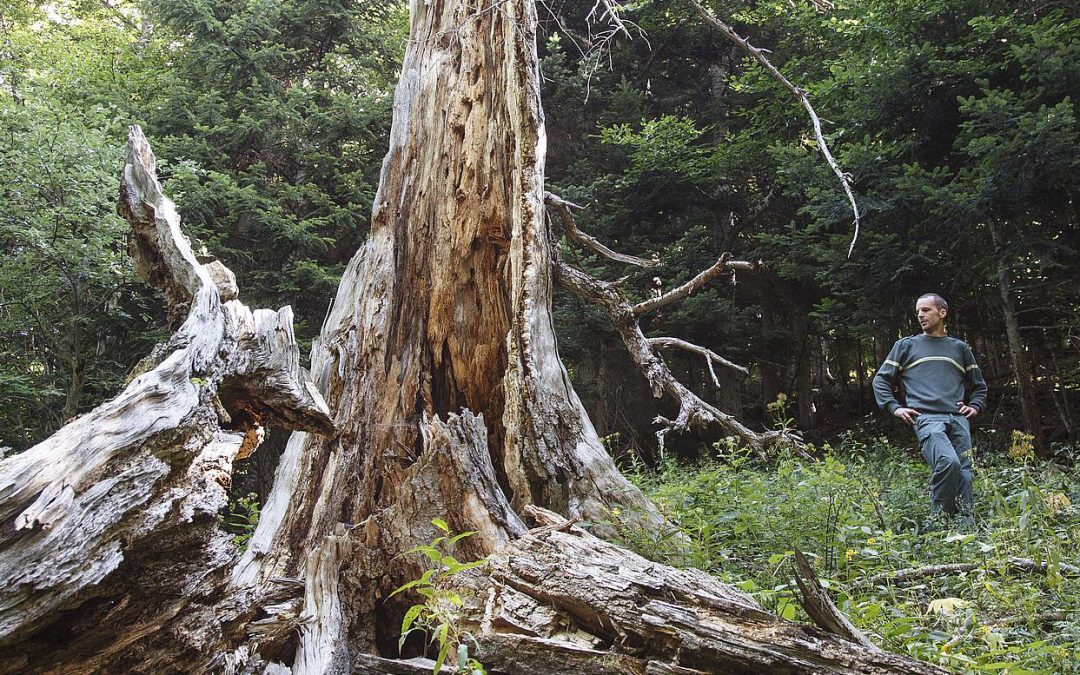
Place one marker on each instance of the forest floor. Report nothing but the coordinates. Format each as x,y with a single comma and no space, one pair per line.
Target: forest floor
860,513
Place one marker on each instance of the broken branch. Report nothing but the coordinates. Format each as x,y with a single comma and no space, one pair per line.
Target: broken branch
819,606
722,264
710,355
572,231
693,411
1012,564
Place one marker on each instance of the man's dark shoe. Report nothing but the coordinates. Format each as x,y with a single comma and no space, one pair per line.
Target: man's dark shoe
965,523
935,522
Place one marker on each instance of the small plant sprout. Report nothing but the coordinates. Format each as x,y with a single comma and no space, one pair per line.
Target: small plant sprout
439,616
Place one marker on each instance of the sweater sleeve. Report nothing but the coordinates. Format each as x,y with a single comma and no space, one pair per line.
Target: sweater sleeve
886,378
976,385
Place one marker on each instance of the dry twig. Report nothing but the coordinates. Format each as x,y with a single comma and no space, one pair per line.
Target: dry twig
1012,564
589,242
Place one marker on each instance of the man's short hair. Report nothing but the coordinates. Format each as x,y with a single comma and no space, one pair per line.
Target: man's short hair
939,301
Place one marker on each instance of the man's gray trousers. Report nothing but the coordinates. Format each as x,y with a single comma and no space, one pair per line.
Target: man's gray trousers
945,441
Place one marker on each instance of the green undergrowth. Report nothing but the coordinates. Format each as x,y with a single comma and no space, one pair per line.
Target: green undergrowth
862,510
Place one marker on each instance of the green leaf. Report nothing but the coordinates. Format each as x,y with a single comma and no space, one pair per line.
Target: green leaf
461,567
444,646
410,616
458,537
441,524
431,552
406,586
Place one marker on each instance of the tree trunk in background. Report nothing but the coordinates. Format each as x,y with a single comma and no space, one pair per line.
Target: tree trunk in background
804,376
75,388
730,394
860,371
770,370
447,399
1025,383
1059,391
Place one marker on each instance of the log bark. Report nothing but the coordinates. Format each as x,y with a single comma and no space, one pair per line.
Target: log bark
438,392
820,607
654,618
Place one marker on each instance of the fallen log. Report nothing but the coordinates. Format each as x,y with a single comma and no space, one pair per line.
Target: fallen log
1012,564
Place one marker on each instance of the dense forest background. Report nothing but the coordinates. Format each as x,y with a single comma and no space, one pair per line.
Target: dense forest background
956,120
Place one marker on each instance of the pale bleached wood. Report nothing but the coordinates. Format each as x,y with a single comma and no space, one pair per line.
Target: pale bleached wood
820,607
722,264
86,515
570,227
693,411
759,55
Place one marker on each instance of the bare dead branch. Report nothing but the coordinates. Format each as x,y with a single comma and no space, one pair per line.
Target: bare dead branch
693,411
723,264
710,356
759,56
1012,564
1038,619
605,10
570,227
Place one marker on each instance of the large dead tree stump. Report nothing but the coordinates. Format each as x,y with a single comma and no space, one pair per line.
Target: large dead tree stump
444,397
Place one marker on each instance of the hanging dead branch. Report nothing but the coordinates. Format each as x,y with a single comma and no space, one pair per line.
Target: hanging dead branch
693,412
562,207
759,56
723,264
710,356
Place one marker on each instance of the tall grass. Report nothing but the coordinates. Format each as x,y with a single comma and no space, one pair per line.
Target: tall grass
860,511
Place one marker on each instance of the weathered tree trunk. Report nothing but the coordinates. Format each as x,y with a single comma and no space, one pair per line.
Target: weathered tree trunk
448,399
804,379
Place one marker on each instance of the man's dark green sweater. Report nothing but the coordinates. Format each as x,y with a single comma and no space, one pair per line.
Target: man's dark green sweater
935,372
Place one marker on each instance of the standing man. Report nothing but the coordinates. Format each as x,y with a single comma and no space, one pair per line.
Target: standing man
935,370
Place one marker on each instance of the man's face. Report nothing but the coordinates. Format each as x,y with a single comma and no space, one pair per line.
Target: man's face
930,317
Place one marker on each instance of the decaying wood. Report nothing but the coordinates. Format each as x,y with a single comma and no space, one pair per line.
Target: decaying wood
563,207
710,356
650,618
1025,565
114,518
693,411
820,607
444,310
1037,620
723,264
